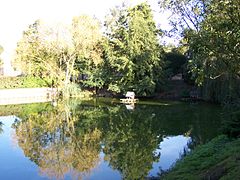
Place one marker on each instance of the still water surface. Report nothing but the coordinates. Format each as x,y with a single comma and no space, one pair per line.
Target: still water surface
100,139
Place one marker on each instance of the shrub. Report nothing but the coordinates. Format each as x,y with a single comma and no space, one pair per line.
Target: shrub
231,118
74,90
23,82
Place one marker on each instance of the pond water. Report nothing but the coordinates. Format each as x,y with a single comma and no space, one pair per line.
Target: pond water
100,138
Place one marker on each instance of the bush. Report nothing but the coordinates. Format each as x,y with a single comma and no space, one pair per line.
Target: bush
23,82
231,118
74,90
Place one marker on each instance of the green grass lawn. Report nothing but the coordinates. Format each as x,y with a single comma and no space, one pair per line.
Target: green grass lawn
218,159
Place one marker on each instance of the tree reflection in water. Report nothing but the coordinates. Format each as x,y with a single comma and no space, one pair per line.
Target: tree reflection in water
53,141
130,142
1,129
68,139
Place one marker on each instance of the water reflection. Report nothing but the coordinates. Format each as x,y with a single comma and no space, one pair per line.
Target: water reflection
130,106
67,140
56,144
170,152
1,128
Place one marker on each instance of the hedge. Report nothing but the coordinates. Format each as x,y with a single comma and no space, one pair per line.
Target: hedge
23,82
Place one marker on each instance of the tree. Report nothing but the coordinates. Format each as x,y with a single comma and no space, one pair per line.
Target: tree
87,39
185,14
215,51
46,51
61,52
175,62
211,33
27,48
132,52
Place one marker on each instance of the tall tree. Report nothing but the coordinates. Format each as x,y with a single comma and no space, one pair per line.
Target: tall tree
215,50
185,14
133,51
60,52
87,39
27,48
211,32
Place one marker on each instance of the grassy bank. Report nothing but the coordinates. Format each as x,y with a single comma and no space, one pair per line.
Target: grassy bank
218,159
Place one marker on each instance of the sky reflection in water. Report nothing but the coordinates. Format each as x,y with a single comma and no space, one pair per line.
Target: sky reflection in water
96,143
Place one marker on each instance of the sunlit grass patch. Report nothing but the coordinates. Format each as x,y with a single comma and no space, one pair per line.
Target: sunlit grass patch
217,159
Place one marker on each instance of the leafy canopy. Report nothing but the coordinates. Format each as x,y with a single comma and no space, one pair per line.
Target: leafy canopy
133,52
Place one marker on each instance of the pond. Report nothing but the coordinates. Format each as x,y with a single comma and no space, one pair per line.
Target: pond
100,138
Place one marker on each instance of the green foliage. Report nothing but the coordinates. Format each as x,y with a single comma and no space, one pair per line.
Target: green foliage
214,48
185,14
174,63
87,39
211,33
221,90
71,90
60,53
94,77
133,54
217,159
27,49
74,90
45,52
30,81
128,58
24,82
231,118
